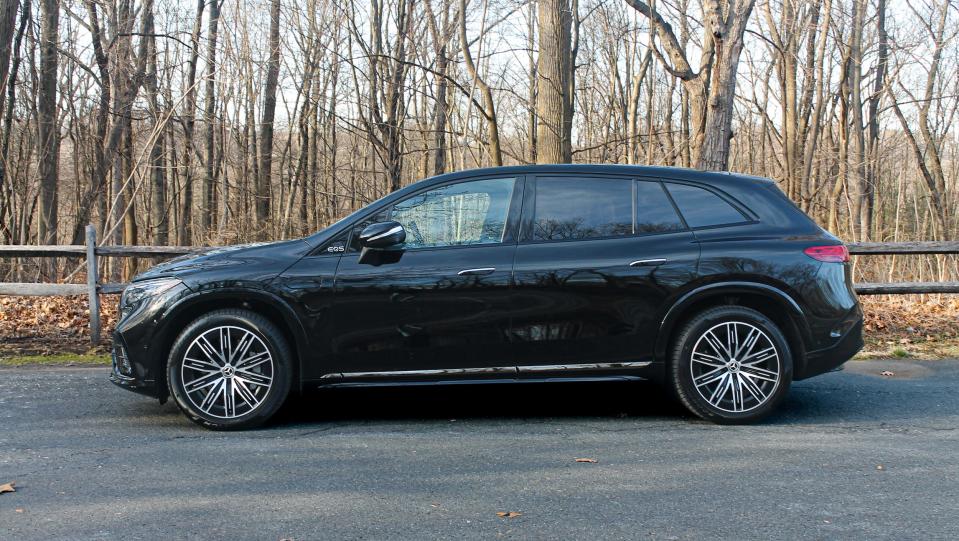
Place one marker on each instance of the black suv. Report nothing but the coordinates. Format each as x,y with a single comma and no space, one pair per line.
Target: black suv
713,284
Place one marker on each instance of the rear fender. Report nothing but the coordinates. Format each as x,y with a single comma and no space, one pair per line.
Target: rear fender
679,311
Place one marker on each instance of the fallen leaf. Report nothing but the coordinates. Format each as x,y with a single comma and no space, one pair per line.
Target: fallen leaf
508,514
887,373
588,460
8,487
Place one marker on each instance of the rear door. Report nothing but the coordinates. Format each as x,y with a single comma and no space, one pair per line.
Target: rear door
598,257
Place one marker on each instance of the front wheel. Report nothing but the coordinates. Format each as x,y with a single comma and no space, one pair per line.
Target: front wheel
731,365
230,369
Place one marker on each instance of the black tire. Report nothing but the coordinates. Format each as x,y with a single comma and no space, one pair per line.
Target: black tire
722,409
248,413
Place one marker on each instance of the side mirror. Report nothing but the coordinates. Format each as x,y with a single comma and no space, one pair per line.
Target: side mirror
382,235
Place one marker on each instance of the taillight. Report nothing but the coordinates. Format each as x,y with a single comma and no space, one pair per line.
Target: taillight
828,254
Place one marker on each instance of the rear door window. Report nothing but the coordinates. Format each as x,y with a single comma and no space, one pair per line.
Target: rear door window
703,208
576,208
654,211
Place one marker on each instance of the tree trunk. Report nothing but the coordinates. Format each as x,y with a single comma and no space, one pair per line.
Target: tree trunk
872,174
531,119
49,137
98,183
8,19
711,91
185,225
209,118
441,35
553,83
158,212
7,231
266,126
857,151
727,38
440,112
489,106
130,230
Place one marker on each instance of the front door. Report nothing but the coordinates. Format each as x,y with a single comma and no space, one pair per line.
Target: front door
443,303
598,258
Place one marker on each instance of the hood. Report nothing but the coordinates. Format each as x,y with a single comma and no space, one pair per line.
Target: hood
226,256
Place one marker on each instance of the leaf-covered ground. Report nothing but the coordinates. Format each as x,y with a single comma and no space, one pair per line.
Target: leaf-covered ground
56,329
910,326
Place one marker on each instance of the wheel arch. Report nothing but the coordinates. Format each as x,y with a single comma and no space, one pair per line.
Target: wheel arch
769,300
188,309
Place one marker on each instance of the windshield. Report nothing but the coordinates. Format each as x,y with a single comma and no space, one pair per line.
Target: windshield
350,217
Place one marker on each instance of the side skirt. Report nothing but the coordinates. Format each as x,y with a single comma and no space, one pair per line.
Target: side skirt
593,372
493,370
496,381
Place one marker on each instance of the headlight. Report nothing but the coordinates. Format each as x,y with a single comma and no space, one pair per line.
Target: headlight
136,292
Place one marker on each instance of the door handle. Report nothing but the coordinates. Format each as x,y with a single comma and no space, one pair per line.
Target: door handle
648,262
476,272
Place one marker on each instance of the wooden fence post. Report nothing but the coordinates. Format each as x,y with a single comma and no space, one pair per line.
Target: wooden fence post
92,280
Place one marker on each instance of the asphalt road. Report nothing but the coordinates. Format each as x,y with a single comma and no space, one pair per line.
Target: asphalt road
851,455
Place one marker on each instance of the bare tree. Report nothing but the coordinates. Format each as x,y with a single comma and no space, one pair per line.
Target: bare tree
158,202
712,88
266,126
846,104
489,105
49,133
9,46
185,224
872,122
441,33
209,118
8,20
554,82
927,147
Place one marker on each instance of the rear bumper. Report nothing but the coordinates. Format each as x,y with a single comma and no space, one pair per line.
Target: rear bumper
828,359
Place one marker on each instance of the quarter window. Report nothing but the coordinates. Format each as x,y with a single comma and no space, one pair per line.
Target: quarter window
654,211
703,208
582,208
460,214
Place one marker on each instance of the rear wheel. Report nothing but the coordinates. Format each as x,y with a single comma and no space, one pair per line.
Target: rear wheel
731,365
230,369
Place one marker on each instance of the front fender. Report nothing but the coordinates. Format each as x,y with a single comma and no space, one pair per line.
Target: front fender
188,308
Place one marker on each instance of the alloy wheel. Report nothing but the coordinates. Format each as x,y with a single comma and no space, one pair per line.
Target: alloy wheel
735,367
227,372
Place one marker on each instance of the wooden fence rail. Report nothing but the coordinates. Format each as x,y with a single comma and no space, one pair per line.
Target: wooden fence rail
90,252
93,288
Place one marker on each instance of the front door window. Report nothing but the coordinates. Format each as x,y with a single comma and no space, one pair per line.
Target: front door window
457,214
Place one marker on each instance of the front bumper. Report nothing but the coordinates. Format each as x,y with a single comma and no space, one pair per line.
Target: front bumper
137,345
128,375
